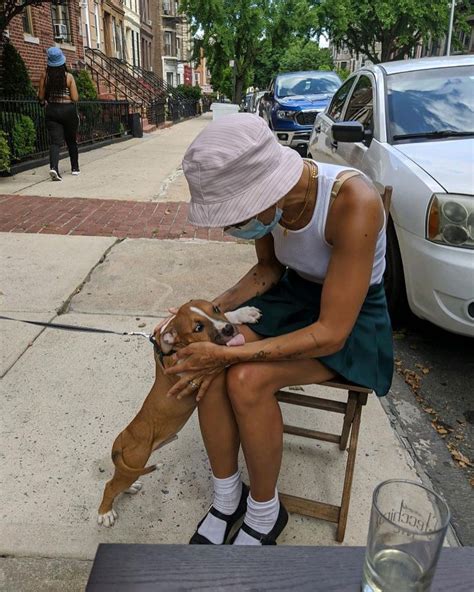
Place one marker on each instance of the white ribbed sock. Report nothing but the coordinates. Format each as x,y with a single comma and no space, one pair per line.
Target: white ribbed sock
227,494
261,516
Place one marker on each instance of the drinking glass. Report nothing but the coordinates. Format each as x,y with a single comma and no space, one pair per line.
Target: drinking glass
408,523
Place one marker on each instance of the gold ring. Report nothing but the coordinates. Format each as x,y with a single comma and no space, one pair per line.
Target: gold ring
195,385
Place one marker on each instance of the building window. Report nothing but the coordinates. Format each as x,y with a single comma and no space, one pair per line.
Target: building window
178,79
169,78
178,47
168,40
97,25
28,21
197,79
166,7
61,22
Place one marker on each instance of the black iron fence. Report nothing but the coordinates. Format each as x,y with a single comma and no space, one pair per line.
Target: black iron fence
156,111
23,122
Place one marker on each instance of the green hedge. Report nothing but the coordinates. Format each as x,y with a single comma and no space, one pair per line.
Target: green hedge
22,132
4,153
85,86
190,92
16,81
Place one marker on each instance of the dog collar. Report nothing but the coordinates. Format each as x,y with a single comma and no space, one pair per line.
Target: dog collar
162,356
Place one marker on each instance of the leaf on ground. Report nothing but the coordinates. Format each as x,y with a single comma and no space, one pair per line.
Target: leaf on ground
429,410
459,457
471,481
412,379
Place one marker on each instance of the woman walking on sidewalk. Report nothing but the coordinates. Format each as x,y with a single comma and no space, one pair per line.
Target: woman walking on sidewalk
58,89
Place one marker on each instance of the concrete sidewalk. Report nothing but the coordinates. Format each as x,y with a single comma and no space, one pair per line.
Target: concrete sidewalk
66,396
142,169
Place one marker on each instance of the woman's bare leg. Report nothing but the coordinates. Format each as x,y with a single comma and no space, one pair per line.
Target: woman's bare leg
251,388
218,426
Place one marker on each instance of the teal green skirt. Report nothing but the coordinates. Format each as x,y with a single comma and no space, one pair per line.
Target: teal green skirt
367,356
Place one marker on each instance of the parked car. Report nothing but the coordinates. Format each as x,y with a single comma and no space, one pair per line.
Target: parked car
255,100
246,101
292,102
410,124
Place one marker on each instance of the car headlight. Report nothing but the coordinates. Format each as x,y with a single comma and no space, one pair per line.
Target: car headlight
285,114
450,220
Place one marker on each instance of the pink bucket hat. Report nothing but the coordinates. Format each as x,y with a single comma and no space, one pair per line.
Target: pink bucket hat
236,169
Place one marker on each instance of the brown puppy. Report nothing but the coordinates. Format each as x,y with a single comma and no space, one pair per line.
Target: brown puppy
161,418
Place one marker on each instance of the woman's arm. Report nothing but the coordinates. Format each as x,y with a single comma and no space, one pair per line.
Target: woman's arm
42,89
358,217
359,214
71,82
258,280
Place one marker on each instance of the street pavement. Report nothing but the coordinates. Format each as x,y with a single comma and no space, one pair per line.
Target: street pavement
66,395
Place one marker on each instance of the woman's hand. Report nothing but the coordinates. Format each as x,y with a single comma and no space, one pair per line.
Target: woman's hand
201,362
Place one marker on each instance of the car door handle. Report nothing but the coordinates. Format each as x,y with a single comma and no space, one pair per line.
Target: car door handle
334,145
317,129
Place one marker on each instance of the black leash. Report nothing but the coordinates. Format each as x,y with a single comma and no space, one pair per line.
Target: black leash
81,328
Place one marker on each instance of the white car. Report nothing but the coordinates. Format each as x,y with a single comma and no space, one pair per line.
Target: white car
410,124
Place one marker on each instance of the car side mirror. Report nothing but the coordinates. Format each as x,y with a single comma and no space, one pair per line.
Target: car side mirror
268,96
350,131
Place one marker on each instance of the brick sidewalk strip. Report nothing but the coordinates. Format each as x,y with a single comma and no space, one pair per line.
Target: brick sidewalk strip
100,217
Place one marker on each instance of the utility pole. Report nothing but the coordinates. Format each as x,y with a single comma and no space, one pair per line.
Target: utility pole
450,30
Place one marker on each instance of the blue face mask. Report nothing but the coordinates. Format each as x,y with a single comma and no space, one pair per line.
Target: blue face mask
254,228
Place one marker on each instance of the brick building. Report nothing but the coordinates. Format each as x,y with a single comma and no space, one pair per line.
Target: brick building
40,27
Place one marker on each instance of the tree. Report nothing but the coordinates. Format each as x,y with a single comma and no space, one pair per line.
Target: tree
287,21
11,8
396,26
231,32
305,55
250,34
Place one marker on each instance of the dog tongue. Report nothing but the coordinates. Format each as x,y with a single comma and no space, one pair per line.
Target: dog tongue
239,339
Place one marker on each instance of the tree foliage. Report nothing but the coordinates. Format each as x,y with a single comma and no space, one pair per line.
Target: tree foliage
395,27
11,8
251,34
305,55
15,78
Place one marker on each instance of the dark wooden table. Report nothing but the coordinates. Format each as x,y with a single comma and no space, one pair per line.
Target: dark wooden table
168,568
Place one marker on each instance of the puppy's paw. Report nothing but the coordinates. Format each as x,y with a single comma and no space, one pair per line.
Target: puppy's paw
244,315
108,519
134,488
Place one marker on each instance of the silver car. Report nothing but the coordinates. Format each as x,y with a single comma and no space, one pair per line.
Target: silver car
410,124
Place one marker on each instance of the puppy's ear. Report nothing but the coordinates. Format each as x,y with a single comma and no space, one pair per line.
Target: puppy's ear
168,339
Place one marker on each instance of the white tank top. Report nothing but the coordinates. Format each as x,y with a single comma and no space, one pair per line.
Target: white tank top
306,251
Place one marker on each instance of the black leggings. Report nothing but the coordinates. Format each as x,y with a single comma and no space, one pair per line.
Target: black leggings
62,123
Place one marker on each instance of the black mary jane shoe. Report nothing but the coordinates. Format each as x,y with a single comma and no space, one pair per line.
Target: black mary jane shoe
271,537
230,520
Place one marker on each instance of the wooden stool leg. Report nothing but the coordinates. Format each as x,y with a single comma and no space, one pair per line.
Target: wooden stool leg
346,492
348,417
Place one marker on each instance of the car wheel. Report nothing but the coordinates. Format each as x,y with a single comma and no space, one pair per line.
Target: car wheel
394,279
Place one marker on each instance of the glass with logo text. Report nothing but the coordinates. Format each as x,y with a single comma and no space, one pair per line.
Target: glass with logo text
408,523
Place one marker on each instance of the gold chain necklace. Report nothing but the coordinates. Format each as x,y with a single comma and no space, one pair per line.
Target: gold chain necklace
313,172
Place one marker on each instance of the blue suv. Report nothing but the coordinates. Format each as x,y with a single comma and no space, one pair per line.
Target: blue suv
294,99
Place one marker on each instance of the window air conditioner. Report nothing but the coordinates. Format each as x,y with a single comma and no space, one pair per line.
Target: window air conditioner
60,31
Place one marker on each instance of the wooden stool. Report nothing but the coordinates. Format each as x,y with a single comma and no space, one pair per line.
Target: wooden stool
352,409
